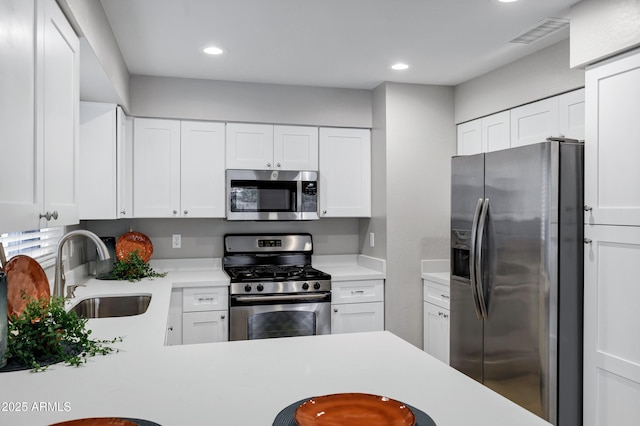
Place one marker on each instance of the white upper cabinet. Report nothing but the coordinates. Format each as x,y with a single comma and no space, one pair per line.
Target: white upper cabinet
572,114
611,147
156,168
40,92
345,172
496,131
202,176
484,134
105,162
535,122
470,137
269,147
178,168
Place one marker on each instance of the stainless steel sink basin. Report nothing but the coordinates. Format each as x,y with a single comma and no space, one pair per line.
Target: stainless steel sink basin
112,306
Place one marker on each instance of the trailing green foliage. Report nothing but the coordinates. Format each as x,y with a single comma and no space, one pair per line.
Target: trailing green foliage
133,268
45,333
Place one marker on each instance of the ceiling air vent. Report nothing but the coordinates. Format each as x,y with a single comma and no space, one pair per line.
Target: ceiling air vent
540,30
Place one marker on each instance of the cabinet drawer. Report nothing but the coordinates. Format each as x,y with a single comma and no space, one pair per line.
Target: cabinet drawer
357,291
204,299
436,293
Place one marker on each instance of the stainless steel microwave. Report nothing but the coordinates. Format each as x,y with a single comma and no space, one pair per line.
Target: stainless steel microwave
272,195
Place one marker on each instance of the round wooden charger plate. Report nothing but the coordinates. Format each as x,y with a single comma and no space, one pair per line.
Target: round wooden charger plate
97,421
353,409
132,241
25,279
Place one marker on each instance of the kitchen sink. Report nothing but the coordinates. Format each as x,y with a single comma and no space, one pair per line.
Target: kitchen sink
112,306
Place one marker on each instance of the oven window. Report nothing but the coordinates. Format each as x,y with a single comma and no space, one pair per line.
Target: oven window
281,324
252,196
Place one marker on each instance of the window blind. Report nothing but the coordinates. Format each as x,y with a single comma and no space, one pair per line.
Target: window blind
39,244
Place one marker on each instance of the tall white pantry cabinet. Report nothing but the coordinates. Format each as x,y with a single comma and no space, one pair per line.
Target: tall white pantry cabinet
612,243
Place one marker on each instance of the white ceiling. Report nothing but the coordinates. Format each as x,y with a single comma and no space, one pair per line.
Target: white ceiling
331,43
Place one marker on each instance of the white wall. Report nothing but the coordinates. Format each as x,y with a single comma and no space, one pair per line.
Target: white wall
537,76
167,97
419,140
601,29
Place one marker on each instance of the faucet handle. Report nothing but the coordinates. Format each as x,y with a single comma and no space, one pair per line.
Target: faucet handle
71,290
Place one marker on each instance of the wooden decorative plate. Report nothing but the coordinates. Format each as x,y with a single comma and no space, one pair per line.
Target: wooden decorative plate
353,409
97,421
25,279
132,241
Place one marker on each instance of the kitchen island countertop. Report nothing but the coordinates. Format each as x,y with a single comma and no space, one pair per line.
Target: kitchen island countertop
242,383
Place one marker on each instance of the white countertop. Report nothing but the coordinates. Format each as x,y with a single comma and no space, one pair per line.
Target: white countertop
238,383
436,270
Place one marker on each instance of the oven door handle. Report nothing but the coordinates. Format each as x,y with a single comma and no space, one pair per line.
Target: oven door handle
279,298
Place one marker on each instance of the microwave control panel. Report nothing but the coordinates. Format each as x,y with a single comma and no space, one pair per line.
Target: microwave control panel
309,196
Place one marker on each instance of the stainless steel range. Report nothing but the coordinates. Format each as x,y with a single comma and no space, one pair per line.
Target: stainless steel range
275,292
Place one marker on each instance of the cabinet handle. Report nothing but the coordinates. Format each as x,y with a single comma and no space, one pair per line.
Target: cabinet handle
186,212
446,316
444,296
587,241
123,212
335,309
357,291
587,208
440,313
48,215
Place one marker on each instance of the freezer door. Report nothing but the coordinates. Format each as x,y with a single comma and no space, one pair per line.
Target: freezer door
467,187
519,269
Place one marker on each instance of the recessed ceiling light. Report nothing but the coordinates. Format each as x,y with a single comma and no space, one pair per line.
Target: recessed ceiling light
212,50
507,1
399,67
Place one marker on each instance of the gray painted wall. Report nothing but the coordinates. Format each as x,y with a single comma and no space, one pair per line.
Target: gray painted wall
167,97
202,238
537,76
601,29
415,132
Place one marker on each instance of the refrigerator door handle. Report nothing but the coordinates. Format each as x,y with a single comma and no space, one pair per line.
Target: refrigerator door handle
478,259
472,258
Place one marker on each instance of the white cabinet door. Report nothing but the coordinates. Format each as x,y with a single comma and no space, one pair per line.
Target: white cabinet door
21,159
174,319
98,184
60,124
295,148
611,147
612,326
202,169
572,114
470,137
124,164
345,172
535,122
156,169
249,146
436,331
496,131
204,327
357,317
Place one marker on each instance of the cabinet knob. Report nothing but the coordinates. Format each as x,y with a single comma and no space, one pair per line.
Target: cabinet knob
49,215
269,165
186,212
278,165
587,208
324,212
440,314
446,316
335,309
123,212
223,316
171,328
175,212
587,241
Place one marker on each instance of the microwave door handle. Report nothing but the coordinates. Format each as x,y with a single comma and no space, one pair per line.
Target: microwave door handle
479,248
472,258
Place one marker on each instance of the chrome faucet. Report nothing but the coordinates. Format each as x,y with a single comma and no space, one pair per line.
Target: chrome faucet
103,254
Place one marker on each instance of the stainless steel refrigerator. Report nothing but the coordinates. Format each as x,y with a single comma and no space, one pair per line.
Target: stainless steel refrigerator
517,275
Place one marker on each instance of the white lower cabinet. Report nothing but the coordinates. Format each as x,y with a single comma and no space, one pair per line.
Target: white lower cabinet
611,326
198,315
436,320
357,306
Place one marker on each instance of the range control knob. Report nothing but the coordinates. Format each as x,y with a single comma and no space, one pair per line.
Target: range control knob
247,288
305,286
316,286
260,287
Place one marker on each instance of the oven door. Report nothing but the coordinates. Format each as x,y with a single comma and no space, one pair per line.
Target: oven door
271,195
287,315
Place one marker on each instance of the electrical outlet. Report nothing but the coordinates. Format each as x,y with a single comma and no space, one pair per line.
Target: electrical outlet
372,241
176,241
